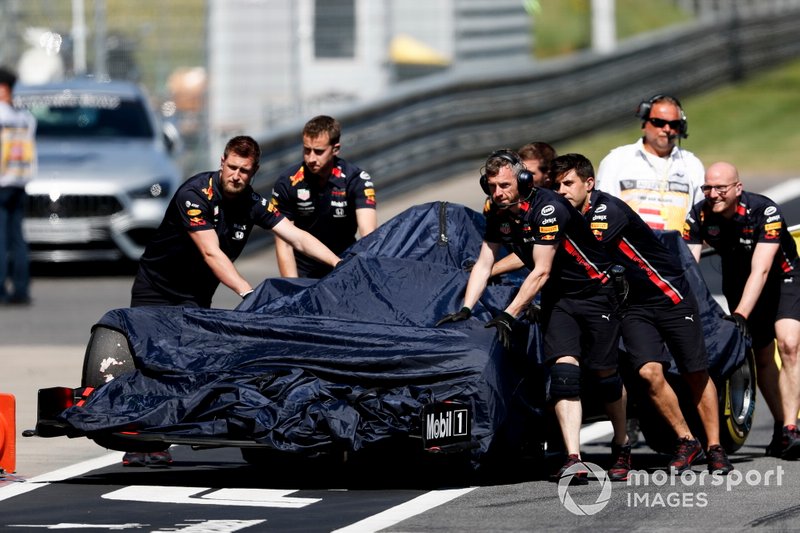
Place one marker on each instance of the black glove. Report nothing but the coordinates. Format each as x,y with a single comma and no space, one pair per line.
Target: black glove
464,314
503,323
533,313
741,323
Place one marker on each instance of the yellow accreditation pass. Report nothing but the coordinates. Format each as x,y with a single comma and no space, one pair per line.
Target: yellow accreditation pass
17,152
662,210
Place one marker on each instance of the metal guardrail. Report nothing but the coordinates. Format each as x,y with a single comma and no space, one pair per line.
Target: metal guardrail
441,126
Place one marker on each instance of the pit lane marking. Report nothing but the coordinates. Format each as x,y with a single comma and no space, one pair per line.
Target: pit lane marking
209,496
192,526
398,513
76,470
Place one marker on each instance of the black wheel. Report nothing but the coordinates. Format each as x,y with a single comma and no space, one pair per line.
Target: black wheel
737,403
108,355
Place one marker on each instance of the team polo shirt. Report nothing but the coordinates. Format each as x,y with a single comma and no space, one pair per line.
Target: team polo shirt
660,190
757,219
326,209
546,218
172,263
654,275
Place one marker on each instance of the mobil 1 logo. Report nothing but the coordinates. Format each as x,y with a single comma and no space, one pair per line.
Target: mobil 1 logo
445,425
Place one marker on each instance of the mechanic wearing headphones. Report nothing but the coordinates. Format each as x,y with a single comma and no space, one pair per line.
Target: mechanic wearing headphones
761,282
660,308
536,157
324,195
571,270
657,178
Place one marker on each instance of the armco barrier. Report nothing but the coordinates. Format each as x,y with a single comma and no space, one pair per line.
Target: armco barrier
8,434
439,126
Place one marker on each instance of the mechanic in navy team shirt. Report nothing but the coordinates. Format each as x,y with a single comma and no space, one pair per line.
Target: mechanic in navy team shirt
324,195
578,300
205,228
536,156
660,308
761,282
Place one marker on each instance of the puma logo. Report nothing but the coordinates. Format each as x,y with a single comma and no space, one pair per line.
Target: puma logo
690,318
607,317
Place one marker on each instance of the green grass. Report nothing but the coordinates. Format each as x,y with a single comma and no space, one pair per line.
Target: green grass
564,26
752,124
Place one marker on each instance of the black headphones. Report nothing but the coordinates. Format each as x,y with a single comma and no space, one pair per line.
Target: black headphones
524,176
643,111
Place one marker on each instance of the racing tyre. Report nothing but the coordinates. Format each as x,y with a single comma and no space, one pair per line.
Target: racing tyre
737,403
107,356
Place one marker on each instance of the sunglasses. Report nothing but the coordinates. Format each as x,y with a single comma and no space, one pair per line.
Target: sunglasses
676,125
719,189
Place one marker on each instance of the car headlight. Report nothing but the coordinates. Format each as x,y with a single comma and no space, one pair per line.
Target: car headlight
159,189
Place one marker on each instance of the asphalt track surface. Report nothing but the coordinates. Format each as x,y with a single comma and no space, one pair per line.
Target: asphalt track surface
74,484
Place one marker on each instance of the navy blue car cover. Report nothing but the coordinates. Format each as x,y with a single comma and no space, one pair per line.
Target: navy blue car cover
346,361
319,365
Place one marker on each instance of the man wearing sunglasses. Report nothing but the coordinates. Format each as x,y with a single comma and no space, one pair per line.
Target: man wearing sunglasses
761,282
655,176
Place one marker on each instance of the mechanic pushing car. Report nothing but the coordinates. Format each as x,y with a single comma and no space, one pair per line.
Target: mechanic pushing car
324,195
205,228
574,275
761,282
660,309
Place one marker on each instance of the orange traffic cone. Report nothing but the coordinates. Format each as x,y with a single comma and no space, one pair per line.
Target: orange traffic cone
8,434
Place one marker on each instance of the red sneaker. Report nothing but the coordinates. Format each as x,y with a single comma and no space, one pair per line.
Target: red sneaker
622,462
689,451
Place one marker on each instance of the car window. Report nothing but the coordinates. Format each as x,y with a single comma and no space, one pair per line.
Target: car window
87,116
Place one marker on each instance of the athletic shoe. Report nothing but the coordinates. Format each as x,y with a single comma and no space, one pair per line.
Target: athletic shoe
622,462
159,458
134,459
790,442
578,476
688,451
718,462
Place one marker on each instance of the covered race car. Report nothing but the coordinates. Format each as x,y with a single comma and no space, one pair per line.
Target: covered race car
349,362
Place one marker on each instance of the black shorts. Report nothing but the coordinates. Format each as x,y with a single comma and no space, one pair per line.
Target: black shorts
777,301
586,328
647,332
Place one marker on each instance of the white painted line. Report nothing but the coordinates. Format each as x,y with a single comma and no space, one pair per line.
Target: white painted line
78,469
405,510
208,496
783,192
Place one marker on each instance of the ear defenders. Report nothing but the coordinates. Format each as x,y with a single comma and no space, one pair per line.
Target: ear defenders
645,106
524,176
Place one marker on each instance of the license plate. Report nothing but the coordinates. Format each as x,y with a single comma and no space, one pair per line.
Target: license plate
43,231
445,424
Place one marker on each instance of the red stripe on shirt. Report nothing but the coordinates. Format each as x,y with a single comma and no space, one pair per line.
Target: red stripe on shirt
664,285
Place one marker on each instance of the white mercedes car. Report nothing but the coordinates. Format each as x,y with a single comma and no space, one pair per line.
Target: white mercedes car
106,170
